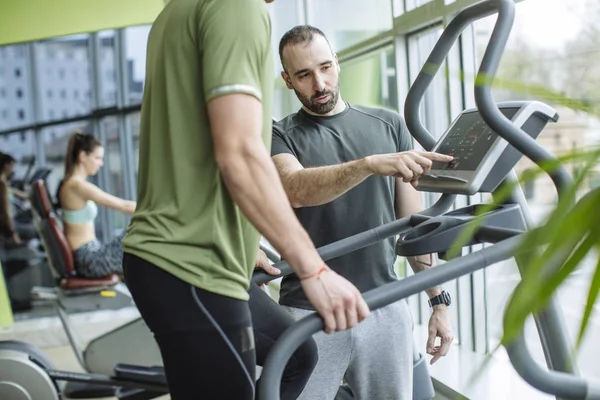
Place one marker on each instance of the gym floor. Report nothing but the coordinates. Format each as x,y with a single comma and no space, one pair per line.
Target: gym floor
65,359
42,329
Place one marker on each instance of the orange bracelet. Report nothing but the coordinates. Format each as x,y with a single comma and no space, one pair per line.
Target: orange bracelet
317,274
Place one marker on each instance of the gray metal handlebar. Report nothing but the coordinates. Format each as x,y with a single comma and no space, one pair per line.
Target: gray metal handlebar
271,255
359,240
439,54
377,298
492,115
560,384
557,383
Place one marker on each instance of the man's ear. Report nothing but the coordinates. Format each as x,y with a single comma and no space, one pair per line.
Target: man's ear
337,62
287,80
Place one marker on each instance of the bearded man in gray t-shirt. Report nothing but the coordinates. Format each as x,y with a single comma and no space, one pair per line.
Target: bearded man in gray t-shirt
347,169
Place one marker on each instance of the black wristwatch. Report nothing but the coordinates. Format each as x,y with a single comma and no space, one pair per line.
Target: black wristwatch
443,298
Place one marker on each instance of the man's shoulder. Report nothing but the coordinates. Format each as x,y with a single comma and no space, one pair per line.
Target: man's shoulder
287,125
383,114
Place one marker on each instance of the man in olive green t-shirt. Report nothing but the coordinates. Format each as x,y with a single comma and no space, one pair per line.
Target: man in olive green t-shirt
205,185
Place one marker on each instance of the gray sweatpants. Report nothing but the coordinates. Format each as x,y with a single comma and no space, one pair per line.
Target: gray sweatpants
375,358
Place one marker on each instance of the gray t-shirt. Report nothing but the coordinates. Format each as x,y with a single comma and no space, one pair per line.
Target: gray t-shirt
355,133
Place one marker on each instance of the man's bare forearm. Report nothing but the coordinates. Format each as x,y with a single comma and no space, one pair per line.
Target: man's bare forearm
422,263
408,202
253,182
320,185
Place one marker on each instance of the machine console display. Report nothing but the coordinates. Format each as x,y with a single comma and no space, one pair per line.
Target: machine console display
468,141
482,158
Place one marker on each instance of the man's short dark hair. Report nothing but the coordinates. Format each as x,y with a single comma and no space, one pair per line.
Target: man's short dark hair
297,35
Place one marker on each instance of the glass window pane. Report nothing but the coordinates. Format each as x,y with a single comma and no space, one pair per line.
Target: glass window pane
15,88
107,72
412,4
354,21
133,120
112,161
371,80
398,6
135,57
285,101
284,16
558,67
434,108
63,72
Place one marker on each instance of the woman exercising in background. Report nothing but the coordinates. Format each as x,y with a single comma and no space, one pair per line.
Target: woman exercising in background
78,198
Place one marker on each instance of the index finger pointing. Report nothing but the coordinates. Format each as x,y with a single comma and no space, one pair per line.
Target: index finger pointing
433,156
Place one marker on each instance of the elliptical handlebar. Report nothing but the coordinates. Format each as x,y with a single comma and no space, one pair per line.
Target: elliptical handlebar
359,240
492,115
377,298
505,9
483,92
557,383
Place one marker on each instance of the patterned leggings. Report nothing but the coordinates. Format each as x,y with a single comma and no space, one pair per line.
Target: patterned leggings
96,260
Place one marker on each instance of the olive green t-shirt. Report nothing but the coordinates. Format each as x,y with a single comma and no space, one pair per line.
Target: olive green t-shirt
185,220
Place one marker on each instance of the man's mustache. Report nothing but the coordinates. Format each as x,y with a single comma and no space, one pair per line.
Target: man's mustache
321,94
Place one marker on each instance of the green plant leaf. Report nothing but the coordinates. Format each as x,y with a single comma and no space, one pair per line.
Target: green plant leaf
534,290
591,300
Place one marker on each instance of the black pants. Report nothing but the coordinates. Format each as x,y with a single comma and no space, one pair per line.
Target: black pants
210,344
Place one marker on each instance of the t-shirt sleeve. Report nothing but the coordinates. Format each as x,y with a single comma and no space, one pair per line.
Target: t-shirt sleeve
405,140
234,40
279,145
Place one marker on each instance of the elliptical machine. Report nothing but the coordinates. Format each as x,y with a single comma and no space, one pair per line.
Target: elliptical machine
486,142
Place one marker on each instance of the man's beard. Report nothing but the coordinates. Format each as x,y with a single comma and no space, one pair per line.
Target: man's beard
320,108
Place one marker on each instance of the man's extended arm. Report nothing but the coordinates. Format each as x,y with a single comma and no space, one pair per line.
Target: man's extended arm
315,186
307,187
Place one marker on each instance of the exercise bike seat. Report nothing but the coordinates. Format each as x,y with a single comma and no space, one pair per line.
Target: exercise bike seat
59,252
75,282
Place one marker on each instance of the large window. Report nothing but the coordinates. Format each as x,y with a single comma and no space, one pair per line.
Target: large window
351,21
133,120
136,38
371,80
558,67
114,169
434,108
412,4
107,68
64,87
15,87
285,100
284,16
